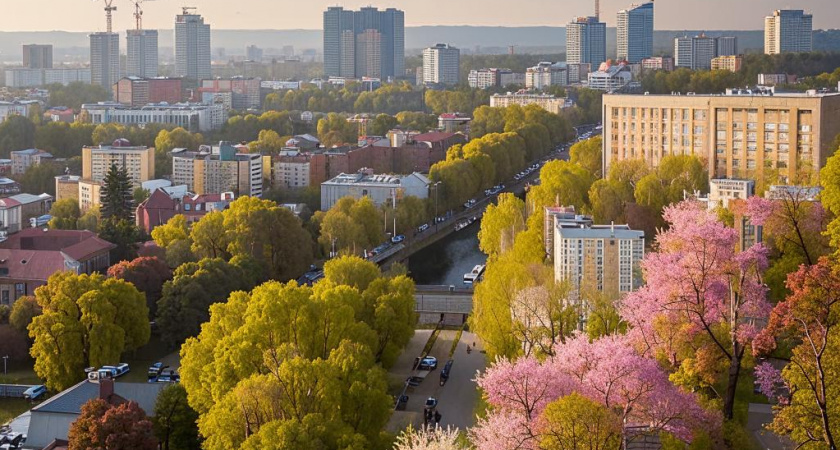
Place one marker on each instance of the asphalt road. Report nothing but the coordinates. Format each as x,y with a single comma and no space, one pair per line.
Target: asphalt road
457,398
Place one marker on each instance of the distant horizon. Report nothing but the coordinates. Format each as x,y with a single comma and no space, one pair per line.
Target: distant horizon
88,16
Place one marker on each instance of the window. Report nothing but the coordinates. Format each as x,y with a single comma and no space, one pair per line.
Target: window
5,299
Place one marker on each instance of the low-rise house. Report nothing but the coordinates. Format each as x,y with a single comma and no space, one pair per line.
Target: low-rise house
380,188
161,206
51,420
28,258
24,159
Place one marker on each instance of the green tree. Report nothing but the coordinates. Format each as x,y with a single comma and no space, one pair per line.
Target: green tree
500,225
355,225
576,422
75,94
209,236
335,130
587,154
147,274
186,298
268,143
124,234
168,140
116,197
16,133
39,178
381,124
90,220
175,421
65,214
139,195
104,426
23,310
86,320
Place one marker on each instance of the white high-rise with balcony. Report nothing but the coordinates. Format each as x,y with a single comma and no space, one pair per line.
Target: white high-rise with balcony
441,64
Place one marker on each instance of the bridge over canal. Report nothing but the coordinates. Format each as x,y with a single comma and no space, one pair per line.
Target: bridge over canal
449,304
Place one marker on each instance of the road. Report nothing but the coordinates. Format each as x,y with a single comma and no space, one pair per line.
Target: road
458,398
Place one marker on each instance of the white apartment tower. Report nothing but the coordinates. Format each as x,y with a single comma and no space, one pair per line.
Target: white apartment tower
142,53
104,59
192,47
788,31
441,64
586,41
695,53
635,33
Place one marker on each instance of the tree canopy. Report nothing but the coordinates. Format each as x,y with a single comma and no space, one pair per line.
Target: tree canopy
104,426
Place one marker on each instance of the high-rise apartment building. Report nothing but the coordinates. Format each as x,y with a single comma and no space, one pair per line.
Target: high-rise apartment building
368,42
139,162
696,52
635,33
743,134
598,258
142,53
586,41
192,47
253,53
104,59
220,170
37,56
788,31
727,46
441,64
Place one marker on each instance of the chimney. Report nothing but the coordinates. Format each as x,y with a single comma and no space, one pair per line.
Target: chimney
106,388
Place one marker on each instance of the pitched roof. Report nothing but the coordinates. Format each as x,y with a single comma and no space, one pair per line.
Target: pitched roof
35,254
435,136
159,200
70,401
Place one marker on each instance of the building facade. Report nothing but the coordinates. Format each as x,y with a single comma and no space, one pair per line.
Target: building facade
634,31
788,31
221,169
611,78
727,46
665,63
586,41
547,102
137,92
192,47
598,258
104,59
37,56
546,74
743,134
380,188
731,63
190,116
139,162
362,43
142,53
695,53
244,92
24,78
441,65
23,159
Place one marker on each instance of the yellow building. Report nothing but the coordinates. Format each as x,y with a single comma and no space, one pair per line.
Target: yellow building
138,161
89,192
739,135
67,186
731,63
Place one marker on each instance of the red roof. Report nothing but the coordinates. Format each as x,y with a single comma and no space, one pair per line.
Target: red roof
35,254
435,136
159,200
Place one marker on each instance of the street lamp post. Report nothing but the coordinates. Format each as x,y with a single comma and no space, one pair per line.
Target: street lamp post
5,359
436,186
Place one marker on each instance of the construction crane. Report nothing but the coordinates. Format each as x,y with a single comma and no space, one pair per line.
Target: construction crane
138,12
598,10
186,9
109,8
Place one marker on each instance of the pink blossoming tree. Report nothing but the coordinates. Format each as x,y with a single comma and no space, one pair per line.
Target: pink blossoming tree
701,295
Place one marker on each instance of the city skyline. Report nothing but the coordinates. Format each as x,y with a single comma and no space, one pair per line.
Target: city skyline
269,14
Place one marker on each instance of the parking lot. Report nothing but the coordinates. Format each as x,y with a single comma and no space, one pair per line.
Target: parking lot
457,398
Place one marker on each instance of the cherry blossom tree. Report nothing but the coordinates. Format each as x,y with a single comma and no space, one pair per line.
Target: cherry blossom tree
700,295
808,319
436,438
607,371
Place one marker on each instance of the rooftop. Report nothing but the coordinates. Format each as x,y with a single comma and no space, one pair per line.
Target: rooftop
600,232
32,152
71,400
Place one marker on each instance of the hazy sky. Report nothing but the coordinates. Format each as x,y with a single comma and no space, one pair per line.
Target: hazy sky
87,15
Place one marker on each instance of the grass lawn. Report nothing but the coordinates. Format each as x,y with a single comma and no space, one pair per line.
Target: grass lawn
12,407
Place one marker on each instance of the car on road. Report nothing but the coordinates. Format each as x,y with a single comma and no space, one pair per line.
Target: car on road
431,403
34,392
444,373
428,363
397,239
155,370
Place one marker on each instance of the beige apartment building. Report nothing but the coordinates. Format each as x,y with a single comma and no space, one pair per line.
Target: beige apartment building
731,63
739,135
138,161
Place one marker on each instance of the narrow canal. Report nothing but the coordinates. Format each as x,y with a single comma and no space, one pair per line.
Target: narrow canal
446,261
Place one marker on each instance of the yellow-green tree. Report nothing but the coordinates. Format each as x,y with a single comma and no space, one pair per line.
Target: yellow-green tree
65,214
86,320
576,422
500,225
352,226
209,237
175,229
587,154
166,141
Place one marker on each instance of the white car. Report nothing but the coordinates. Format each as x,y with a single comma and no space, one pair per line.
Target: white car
428,363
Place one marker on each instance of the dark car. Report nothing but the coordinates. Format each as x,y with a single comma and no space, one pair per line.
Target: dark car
431,403
444,373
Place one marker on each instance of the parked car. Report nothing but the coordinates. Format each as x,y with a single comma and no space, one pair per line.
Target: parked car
401,402
168,376
34,392
122,369
398,238
155,370
428,363
423,228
